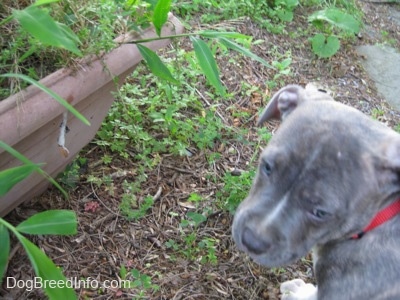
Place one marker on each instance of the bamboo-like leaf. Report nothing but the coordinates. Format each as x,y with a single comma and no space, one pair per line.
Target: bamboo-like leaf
231,45
26,161
220,34
44,2
160,14
207,64
156,65
57,97
61,222
10,177
4,250
46,269
43,27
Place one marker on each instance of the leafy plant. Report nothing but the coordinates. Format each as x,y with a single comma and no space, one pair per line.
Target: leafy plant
269,14
284,9
205,58
42,26
326,45
235,190
136,280
59,222
128,204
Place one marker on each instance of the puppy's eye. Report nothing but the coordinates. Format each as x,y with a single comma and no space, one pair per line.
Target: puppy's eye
267,169
320,214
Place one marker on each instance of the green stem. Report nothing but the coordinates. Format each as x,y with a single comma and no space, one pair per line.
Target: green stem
162,38
6,20
10,227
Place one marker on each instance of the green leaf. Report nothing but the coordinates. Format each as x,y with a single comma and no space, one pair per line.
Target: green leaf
244,51
68,32
44,2
57,97
337,18
160,14
26,161
48,272
325,47
123,272
220,34
285,15
10,177
207,64
42,26
4,250
61,222
196,217
156,65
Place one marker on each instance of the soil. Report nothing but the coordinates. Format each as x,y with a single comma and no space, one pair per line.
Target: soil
106,241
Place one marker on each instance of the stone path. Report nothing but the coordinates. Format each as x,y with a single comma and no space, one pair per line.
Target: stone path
382,62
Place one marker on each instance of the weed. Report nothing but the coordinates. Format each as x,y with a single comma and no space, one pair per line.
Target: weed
189,245
95,23
269,14
137,281
207,246
194,197
282,65
376,113
235,189
387,39
130,207
71,175
335,23
397,128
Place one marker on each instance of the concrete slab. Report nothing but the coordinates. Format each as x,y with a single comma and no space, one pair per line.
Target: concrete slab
382,64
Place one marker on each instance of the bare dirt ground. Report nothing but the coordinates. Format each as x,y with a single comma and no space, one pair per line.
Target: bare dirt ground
106,241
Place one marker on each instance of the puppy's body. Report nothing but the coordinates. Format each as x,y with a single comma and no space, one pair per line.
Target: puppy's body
323,177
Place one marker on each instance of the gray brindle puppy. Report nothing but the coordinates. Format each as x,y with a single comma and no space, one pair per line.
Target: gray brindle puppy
327,181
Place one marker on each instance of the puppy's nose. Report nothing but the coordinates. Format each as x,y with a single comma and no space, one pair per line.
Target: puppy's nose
254,244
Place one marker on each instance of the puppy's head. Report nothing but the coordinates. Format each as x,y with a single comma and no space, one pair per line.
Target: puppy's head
322,177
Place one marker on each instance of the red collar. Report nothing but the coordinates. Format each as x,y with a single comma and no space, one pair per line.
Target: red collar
381,217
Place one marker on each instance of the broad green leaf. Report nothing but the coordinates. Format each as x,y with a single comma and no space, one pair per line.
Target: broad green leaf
156,65
207,64
4,250
196,217
48,272
26,161
285,15
57,97
336,17
325,47
160,14
42,26
229,44
61,222
10,177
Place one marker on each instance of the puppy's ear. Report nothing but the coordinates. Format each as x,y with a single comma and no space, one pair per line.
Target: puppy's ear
391,153
282,103
288,98
387,164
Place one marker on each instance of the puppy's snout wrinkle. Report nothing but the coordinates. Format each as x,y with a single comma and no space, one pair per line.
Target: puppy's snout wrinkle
255,244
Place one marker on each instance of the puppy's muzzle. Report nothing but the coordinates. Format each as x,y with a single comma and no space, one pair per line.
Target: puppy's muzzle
251,235
254,243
